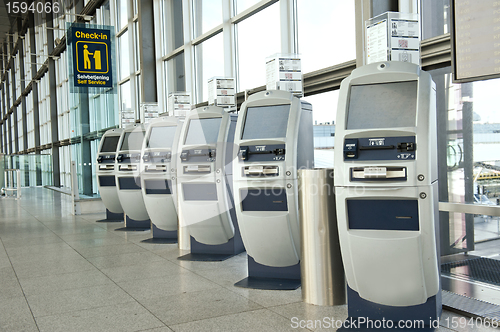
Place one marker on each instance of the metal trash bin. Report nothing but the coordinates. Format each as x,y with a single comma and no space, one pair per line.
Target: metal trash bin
322,272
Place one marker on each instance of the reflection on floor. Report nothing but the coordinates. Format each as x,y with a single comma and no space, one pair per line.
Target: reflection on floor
60,272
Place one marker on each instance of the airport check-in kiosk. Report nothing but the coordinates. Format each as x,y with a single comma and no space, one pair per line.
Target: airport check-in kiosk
274,136
386,192
127,166
105,171
158,177
204,184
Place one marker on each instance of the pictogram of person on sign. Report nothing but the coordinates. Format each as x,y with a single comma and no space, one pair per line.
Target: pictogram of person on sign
86,58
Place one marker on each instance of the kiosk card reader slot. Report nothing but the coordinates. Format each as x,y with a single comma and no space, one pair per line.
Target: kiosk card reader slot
386,124
204,174
158,177
105,173
128,177
274,138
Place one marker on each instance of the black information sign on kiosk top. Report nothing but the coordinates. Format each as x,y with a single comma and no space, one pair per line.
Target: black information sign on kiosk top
386,192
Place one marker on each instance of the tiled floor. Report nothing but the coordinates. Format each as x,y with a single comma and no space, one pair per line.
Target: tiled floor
60,272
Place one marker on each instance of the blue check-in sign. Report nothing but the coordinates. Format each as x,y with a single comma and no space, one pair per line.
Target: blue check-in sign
92,57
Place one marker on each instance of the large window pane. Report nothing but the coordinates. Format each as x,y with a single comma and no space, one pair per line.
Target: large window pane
258,38
106,16
173,26
486,119
136,48
207,15
435,18
211,56
122,14
125,97
326,33
324,107
241,5
124,55
179,79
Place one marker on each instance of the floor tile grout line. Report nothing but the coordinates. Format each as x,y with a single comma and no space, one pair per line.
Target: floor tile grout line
88,262
270,308
154,254
136,300
20,286
86,309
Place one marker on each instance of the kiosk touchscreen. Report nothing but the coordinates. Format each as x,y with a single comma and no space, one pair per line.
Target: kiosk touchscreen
158,176
128,158
204,182
386,192
274,136
105,171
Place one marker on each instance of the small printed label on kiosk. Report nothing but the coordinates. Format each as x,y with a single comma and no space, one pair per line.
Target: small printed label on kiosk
375,172
376,141
405,156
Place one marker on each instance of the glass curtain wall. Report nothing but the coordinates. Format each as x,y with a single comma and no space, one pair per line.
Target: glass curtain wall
127,32
468,168
92,113
239,49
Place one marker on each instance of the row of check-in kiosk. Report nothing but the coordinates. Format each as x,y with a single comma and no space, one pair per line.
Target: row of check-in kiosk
230,181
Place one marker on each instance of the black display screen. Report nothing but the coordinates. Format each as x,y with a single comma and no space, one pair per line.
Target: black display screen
203,131
266,122
132,141
383,105
161,137
109,143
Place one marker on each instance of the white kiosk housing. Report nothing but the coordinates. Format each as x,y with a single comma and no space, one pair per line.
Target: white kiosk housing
386,192
204,184
128,158
274,136
158,175
105,172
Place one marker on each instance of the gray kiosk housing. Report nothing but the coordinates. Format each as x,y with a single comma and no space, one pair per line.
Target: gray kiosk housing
105,172
158,175
204,184
386,192
127,166
274,136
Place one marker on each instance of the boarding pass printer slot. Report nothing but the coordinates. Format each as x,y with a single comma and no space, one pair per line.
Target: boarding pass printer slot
128,167
378,173
197,169
106,167
156,168
261,170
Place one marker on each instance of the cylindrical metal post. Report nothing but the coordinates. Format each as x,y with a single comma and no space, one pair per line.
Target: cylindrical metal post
322,272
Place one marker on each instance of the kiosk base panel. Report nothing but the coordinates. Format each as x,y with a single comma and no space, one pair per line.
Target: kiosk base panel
213,253
112,217
161,237
268,283
270,277
132,225
206,257
427,312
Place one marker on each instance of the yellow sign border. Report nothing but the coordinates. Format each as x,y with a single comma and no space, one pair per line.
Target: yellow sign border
78,63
